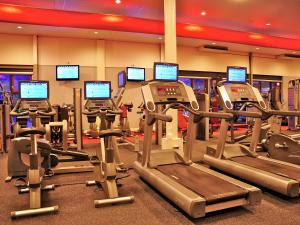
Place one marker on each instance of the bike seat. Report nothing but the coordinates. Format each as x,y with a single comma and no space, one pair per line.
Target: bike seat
110,133
30,131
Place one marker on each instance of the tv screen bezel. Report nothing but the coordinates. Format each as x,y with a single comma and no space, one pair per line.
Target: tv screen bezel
124,78
134,80
97,98
68,79
171,64
34,81
236,67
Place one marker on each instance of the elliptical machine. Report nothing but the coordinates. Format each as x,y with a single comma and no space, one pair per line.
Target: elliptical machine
281,146
32,90
106,169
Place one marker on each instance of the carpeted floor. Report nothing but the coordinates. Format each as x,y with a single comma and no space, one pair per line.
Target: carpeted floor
76,206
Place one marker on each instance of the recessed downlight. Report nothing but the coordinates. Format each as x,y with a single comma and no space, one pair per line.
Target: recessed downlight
213,43
294,52
96,32
19,27
160,38
203,13
257,48
268,24
118,1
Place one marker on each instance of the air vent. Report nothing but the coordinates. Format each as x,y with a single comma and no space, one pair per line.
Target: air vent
289,56
214,48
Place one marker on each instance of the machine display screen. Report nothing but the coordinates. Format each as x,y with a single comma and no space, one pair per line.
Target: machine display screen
97,90
121,79
67,72
237,74
35,90
166,71
135,74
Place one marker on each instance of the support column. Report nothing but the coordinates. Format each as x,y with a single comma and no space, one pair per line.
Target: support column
171,140
35,75
251,68
100,60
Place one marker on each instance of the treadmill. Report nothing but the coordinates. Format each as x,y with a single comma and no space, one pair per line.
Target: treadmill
242,161
195,189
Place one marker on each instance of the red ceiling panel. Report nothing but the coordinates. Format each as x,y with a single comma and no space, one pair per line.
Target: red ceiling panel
26,15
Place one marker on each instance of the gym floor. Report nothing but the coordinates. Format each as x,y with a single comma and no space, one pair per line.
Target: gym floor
76,206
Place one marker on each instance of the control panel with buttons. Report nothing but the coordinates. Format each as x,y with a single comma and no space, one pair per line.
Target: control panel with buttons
231,93
167,92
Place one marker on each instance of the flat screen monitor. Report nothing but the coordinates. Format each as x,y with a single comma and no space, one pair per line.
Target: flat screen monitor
67,72
135,74
166,71
236,74
121,79
97,90
34,90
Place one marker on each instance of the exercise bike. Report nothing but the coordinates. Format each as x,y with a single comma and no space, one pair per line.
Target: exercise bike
34,184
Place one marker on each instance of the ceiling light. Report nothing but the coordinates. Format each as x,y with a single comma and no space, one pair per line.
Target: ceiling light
257,48
268,24
10,9
160,38
294,52
256,36
203,13
214,43
118,1
112,18
192,27
19,27
96,32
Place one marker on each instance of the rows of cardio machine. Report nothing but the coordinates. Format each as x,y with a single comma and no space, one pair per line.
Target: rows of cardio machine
228,176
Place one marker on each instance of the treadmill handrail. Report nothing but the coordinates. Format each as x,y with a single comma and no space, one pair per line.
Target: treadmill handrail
245,113
158,116
284,113
200,114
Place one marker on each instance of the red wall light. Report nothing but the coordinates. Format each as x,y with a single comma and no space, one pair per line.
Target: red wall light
10,9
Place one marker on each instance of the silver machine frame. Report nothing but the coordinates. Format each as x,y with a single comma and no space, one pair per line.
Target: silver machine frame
4,128
149,160
220,158
77,96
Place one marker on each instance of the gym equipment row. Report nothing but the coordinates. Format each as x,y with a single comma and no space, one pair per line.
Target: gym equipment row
192,186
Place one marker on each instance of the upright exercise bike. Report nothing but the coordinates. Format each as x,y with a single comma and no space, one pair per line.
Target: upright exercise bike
34,185
106,169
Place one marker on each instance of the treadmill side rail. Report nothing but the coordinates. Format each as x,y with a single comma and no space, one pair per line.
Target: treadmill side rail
283,185
189,201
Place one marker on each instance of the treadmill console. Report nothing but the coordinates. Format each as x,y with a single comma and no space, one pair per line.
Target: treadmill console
160,92
232,93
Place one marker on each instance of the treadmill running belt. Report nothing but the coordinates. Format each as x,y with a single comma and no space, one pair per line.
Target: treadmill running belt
212,188
271,167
